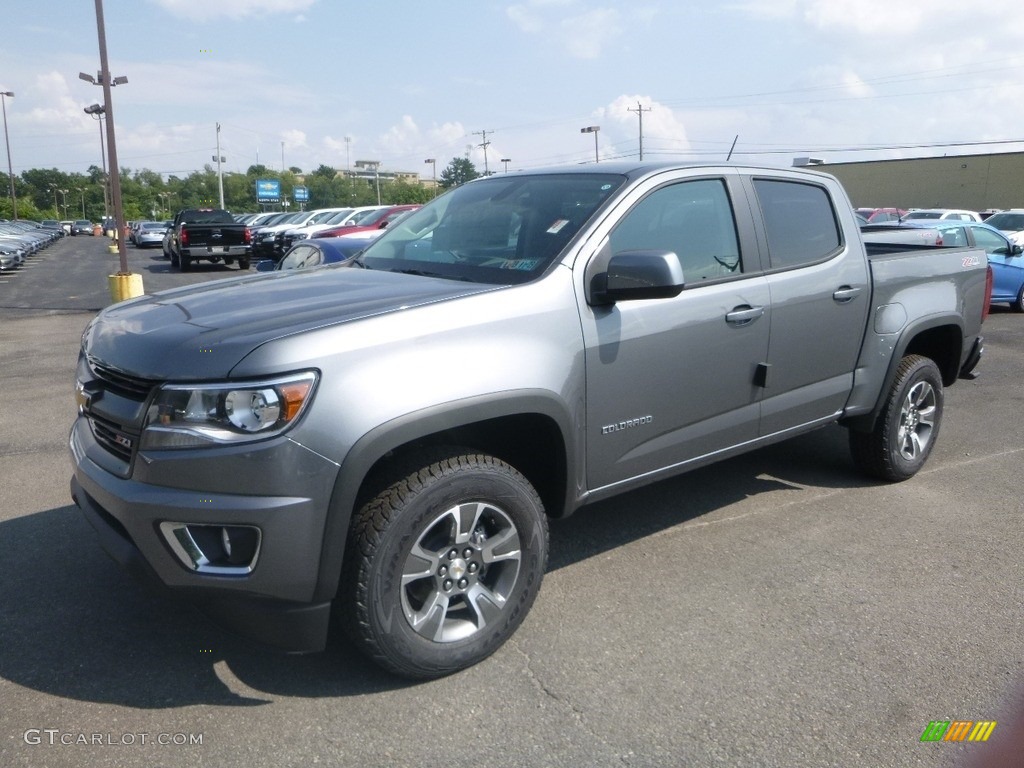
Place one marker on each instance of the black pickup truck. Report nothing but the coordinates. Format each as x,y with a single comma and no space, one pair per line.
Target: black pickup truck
209,234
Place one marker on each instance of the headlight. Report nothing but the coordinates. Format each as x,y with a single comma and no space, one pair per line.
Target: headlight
191,416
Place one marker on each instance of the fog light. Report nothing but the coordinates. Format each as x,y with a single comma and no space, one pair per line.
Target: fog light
224,550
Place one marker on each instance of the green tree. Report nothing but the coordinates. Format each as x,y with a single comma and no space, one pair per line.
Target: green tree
458,171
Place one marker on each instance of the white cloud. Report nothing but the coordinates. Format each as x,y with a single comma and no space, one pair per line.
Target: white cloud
878,18
583,35
586,35
201,10
294,138
663,130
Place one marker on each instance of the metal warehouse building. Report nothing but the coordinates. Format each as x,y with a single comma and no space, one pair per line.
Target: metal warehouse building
974,182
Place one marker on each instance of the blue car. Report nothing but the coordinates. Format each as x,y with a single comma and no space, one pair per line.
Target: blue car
1004,256
315,252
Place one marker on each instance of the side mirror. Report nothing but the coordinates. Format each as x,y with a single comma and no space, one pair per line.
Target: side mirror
635,275
1016,249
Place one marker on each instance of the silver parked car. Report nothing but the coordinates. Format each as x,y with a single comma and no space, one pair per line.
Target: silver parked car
149,234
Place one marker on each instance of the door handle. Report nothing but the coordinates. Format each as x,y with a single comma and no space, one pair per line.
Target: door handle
846,293
744,315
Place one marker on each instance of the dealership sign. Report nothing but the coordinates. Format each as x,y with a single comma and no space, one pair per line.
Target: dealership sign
268,190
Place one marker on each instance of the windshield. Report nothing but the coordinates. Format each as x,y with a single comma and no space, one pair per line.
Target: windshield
923,215
501,230
1008,222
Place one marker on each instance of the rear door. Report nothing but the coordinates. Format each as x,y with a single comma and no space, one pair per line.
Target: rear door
820,293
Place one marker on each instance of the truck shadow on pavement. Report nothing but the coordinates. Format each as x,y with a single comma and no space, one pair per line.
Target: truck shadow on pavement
158,265
75,626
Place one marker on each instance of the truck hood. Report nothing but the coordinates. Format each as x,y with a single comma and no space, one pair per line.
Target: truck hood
203,331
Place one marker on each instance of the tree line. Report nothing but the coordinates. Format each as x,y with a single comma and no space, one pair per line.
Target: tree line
53,194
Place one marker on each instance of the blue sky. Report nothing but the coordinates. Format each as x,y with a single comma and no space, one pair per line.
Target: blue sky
407,80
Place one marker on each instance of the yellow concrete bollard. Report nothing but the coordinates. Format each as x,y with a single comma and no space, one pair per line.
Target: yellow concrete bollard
125,286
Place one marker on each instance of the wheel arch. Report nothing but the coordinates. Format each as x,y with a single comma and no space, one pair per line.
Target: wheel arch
939,339
530,431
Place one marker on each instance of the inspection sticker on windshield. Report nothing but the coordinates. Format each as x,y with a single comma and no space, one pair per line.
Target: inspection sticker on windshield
523,265
557,227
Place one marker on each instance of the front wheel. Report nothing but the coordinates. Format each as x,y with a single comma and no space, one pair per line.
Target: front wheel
908,425
444,564
1018,303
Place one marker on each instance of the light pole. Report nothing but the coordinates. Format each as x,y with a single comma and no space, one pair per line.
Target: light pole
97,112
219,158
593,129
433,162
81,191
7,141
64,198
56,210
506,161
105,80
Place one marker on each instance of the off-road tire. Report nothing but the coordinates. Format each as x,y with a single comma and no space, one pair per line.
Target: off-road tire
907,426
443,565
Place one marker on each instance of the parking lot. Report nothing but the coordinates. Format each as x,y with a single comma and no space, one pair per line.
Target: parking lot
772,610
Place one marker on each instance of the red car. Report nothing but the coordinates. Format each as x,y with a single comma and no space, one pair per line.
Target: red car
376,220
882,215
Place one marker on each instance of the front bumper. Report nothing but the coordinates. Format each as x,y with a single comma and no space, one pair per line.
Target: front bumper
273,601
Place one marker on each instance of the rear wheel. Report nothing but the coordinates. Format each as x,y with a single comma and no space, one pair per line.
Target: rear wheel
243,263
1018,303
444,564
908,425
175,261
186,263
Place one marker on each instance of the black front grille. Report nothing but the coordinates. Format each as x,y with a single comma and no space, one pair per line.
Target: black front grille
125,384
113,439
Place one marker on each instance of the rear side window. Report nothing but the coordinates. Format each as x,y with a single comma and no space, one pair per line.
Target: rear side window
799,220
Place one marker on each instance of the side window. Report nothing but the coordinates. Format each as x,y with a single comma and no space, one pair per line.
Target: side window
954,237
990,241
799,221
301,256
694,220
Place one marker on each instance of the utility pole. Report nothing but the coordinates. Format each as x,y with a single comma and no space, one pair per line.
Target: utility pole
640,113
485,143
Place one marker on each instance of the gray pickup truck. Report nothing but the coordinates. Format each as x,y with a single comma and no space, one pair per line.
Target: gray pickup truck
388,437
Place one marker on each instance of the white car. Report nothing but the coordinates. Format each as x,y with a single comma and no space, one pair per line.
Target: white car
1010,223
941,213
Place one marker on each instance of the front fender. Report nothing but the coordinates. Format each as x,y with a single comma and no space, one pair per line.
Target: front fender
422,427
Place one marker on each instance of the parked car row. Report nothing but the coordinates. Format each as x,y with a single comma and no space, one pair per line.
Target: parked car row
1005,254
882,215
21,239
273,234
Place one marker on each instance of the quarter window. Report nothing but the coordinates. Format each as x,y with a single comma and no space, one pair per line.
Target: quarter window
692,219
799,221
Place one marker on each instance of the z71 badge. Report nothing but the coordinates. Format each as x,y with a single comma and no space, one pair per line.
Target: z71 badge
970,261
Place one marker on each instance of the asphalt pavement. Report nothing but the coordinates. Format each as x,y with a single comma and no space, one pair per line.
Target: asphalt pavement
772,610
